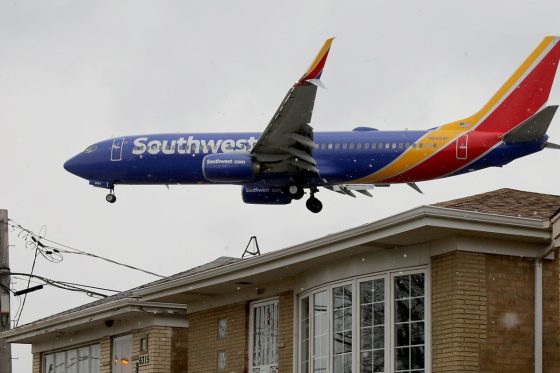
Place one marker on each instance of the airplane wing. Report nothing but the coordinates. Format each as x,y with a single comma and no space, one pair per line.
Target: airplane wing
287,142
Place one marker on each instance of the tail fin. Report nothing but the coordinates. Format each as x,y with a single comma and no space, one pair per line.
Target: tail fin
521,96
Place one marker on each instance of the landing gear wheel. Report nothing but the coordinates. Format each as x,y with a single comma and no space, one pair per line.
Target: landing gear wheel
296,192
111,198
314,205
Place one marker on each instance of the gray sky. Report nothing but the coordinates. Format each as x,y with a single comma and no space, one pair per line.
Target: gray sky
76,72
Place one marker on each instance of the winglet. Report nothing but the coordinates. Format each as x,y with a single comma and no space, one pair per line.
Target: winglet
313,74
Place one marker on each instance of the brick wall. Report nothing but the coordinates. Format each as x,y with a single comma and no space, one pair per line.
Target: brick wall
459,320
483,313
510,343
37,362
105,355
203,343
286,333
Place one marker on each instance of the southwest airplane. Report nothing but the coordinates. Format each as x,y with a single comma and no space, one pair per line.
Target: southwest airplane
276,166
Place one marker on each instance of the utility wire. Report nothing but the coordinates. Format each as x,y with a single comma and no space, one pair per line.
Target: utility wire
64,285
53,254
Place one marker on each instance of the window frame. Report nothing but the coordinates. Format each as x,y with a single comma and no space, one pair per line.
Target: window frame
389,319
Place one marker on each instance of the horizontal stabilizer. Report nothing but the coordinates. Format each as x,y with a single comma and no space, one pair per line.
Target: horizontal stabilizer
533,128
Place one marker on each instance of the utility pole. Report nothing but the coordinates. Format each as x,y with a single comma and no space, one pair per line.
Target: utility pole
5,320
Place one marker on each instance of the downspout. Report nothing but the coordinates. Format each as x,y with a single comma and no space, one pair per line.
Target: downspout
539,305
538,315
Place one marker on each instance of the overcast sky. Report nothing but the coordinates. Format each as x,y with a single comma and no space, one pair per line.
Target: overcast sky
76,72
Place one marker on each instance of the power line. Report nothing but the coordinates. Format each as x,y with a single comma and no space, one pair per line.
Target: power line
53,254
63,284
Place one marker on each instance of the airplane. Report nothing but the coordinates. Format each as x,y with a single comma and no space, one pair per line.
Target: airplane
277,166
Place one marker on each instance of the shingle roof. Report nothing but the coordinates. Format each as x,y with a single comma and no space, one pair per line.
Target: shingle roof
509,202
221,261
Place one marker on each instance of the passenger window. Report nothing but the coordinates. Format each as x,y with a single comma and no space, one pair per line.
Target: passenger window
330,146
352,146
420,145
407,145
401,145
358,146
337,146
394,145
344,146
373,146
323,146
380,145
435,145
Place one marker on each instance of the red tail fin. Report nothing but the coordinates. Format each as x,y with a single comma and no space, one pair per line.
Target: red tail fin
525,93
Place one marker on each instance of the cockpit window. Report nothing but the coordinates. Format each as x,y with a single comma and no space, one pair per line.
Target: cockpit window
90,149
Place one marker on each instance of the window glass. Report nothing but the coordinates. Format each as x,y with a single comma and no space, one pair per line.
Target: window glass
394,145
342,329
94,360
358,146
330,146
60,362
320,330
372,326
122,352
366,145
84,360
352,146
380,145
71,361
323,146
344,146
264,331
337,146
374,145
304,336
48,363
409,341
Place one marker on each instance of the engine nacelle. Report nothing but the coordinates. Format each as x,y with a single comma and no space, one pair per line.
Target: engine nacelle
229,168
265,195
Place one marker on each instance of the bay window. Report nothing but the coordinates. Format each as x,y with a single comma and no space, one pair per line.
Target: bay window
369,324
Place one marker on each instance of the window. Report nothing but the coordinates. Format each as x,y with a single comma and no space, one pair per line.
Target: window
337,146
373,146
344,146
79,360
90,149
352,146
263,343
222,329
359,146
222,361
330,146
342,328
323,146
374,324
122,353
409,323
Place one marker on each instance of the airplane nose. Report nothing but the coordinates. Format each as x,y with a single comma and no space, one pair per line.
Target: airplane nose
71,165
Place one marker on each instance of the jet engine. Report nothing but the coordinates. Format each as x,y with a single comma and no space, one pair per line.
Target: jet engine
265,195
229,168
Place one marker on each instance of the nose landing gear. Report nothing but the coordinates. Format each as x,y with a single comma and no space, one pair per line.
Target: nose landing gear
111,198
313,204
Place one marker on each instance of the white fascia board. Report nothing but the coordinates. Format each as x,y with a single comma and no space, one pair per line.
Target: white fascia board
400,223
99,312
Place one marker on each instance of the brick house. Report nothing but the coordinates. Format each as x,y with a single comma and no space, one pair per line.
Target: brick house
471,284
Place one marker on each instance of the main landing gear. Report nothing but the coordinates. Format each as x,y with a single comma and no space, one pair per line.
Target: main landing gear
313,204
111,198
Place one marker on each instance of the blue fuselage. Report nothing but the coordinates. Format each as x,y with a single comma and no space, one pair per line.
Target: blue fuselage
342,157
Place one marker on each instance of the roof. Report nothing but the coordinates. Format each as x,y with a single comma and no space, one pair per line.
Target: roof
508,202
131,293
